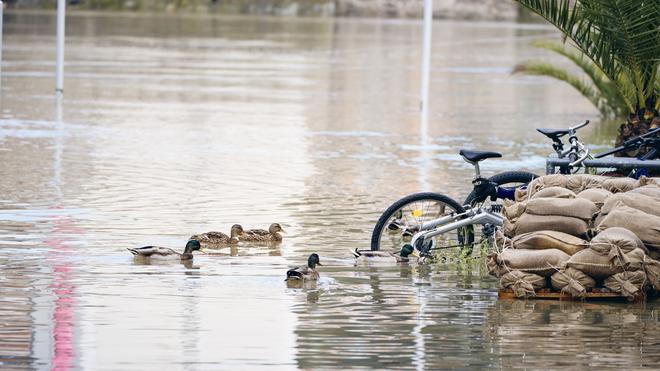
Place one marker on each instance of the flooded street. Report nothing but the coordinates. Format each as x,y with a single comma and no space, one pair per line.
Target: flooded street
176,125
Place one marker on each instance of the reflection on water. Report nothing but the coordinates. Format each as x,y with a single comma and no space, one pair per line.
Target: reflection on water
175,125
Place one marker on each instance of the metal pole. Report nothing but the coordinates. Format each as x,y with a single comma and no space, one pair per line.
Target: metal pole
61,10
426,61
2,9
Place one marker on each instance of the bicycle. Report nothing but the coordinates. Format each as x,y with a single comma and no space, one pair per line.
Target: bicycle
578,156
432,221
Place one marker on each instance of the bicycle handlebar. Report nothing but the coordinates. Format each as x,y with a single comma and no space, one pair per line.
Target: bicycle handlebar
579,126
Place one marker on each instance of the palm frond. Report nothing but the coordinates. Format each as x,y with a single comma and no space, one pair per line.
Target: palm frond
621,37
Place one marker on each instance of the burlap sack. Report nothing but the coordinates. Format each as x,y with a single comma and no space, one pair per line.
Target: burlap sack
540,240
580,182
628,284
502,241
532,223
520,194
522,284
539,262
637,201
595,195
576,208
644,181
647,190
622,184
619,237
553,180
652,269
600,266
645,226
513,210
554,192
573,282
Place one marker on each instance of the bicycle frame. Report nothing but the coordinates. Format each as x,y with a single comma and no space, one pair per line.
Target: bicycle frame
448,223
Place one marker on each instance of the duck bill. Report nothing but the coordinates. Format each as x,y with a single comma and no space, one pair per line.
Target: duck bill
415,253
203,251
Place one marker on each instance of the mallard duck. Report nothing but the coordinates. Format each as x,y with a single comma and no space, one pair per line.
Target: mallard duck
261,235
308,273
367,255
156,252
213,239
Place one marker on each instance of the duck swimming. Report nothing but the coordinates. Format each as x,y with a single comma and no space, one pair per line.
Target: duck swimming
162,253
367,255
261,235
308,273
216,239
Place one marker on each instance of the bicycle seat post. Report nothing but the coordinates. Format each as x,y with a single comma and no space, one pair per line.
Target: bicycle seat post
477,173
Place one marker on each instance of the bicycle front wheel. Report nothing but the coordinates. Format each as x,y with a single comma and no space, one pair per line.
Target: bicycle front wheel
399,222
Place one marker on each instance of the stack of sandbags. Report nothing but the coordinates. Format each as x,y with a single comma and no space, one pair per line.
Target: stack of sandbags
579,183
546,232
634,211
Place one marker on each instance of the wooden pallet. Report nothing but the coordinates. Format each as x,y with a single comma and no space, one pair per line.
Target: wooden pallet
596,295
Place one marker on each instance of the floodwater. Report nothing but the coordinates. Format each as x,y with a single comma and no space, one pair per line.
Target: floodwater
175,125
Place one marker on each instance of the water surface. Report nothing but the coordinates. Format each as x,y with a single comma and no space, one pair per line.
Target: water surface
175,125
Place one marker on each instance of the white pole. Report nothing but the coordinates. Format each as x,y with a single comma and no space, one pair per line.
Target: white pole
61,10
2,9
426,62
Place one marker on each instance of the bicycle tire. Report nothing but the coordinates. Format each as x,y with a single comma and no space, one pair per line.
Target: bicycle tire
410,199
504,178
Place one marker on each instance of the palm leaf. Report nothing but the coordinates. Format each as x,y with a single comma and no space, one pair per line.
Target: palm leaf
621,37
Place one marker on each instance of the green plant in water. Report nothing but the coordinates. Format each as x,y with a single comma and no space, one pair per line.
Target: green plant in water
616,43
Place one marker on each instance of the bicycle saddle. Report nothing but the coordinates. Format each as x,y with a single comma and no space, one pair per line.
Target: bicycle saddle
553,134
476,156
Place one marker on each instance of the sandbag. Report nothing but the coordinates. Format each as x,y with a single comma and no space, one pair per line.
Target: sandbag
513,210
539,262
553,180
522,284
502,241
652,269
532,223
540,240
577,208
645,226
637,201
628,284
622,184
554,192
619,237
573,282
647,190
600,266
580,182
595,195
520,194
644,181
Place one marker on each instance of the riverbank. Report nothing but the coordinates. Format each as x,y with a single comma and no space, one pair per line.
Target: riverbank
442,9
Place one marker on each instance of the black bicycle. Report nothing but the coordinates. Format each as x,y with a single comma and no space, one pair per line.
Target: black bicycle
578,157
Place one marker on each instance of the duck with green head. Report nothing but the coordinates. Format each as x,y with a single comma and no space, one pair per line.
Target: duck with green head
165,253
219,239
382,256
308,273
273,234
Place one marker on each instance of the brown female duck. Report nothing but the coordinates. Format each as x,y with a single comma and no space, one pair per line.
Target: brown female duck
273,234
216,239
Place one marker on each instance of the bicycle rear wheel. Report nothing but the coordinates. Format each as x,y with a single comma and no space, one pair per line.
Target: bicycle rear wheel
402,219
